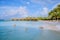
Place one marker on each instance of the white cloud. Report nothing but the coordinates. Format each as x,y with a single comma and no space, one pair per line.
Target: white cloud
28,3
11,11
43,12
23,11
44,2
54,6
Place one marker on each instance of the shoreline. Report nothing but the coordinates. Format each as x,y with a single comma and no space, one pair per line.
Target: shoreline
51,26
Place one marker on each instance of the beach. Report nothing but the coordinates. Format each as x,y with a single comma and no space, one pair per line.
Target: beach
29,30
52,25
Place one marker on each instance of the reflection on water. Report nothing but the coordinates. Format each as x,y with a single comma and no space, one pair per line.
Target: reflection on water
27,31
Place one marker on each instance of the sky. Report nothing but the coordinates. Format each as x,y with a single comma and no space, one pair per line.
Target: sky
24,8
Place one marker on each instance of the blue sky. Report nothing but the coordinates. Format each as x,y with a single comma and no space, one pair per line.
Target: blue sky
24,8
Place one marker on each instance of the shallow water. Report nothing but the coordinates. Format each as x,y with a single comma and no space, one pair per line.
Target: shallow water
27,30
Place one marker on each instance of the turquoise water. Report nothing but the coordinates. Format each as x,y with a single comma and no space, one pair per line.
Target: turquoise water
27,30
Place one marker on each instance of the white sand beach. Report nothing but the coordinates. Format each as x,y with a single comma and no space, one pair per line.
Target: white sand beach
52,25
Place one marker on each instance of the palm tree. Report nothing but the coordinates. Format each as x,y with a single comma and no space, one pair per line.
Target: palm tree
55,13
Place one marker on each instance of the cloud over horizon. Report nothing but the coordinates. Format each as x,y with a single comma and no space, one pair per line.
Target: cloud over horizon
11,11
24,8
22,11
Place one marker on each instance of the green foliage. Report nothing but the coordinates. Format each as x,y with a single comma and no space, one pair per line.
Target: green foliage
55,13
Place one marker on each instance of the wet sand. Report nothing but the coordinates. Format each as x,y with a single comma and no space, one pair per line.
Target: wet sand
52,25
51,28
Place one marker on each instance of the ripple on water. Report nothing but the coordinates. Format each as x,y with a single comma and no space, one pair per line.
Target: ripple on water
27,31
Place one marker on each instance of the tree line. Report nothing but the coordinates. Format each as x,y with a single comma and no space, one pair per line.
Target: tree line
53,14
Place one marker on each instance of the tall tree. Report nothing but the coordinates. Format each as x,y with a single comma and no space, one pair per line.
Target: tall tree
55,13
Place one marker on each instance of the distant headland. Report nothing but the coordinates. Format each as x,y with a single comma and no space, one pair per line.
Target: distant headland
52,15
25,19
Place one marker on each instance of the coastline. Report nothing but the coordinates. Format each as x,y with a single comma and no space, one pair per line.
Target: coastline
52,26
